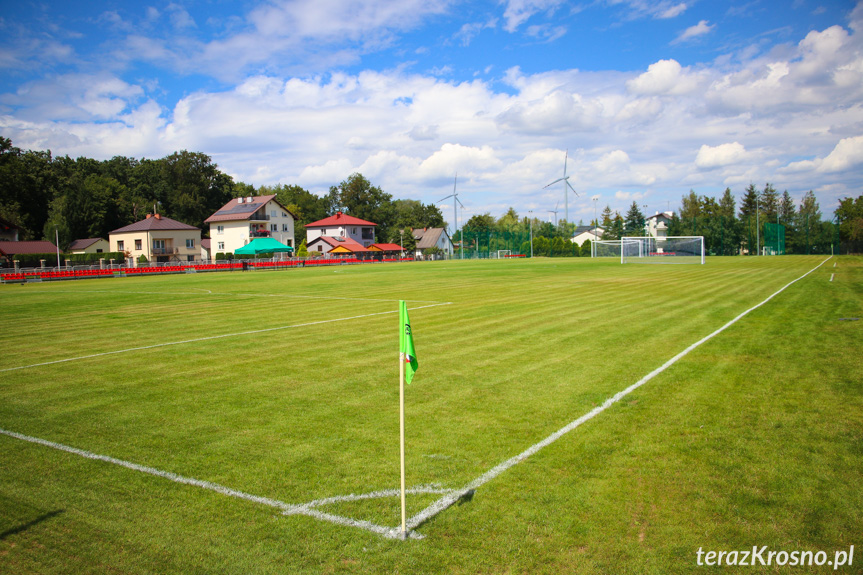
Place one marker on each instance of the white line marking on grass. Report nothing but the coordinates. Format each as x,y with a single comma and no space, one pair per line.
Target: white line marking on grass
831,276
153,471
450,498
286,509
232,294
212,337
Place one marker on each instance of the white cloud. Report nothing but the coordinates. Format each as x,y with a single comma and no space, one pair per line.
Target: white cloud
663,77
847,154
700,29
718,156
519,11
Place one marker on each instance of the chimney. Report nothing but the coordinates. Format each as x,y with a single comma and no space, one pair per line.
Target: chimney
149,216
158,216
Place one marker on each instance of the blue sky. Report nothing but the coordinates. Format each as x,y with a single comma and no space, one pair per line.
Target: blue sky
649,99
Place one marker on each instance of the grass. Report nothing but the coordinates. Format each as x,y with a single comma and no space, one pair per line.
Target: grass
752,439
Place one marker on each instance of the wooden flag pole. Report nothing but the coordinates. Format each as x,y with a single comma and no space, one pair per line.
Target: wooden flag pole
402,429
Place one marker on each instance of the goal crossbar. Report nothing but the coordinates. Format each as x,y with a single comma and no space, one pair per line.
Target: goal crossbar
666,250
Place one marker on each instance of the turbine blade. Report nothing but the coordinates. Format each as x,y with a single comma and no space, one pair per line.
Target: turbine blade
446,198
554,182
571,188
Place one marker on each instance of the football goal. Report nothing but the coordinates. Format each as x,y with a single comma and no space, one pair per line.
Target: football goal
501,254
667,250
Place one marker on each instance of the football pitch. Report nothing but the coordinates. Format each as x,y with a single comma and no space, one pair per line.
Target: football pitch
568,416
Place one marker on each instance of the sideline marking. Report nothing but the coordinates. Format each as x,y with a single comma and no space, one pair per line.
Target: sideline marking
831,276
211,337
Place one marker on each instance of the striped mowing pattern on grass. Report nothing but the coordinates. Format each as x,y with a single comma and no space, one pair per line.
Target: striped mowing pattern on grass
449,496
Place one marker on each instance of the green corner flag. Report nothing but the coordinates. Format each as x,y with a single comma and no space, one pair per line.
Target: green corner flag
406,343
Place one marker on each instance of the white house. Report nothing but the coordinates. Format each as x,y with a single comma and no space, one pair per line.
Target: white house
428,238
159,239
347,228
584,233
657,224
243,219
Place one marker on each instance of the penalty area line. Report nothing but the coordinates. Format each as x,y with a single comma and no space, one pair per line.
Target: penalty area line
449,499
212,337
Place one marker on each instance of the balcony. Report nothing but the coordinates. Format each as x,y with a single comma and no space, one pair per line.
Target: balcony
165,251
259,217
259,233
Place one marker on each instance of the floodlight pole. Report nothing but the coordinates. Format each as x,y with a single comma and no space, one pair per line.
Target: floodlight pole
531,232
57,245
757,229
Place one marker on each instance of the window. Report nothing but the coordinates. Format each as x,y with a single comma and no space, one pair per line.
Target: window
220,229
274,213
274,227
98,250
285,228
190,244
284,215
138,245
354,231
190,258
120,246
320,248
221,246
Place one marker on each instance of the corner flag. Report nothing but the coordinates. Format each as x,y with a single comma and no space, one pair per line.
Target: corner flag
406,343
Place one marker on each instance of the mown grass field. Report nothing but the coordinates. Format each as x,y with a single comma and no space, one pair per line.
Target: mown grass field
754,438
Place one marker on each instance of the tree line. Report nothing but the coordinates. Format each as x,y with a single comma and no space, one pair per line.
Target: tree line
81,198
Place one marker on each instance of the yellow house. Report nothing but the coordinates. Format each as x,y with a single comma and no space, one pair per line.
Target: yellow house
158,239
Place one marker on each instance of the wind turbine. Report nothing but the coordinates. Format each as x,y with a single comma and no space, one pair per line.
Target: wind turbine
455,203
554,211
565,180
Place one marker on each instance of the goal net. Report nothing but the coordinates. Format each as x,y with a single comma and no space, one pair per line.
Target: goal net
605,249
667,250
504,254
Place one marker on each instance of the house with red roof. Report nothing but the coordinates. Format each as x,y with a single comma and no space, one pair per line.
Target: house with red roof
158,239
243,219
11,251
340,233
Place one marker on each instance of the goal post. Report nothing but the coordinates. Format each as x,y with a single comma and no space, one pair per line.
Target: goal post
663,250
501,254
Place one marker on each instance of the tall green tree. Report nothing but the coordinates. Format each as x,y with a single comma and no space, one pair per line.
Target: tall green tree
849,216
362,200
633,224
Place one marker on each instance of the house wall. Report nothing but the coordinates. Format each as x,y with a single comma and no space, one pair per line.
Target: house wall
175,240
583,237
229,236
354,232
312,246
97,247
445,244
